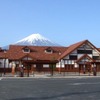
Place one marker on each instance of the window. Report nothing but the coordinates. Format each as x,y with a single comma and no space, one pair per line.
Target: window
84,51
46,65
26,50
49,50
95,57
73,57
88,51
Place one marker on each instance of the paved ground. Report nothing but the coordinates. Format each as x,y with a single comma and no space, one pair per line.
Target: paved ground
56,74
50,88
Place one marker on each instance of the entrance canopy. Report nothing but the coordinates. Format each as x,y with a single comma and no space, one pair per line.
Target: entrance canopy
85,59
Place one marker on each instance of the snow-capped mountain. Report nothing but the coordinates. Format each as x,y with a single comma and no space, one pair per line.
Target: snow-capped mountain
36,40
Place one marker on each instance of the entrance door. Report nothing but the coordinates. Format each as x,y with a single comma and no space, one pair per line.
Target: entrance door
39,67
84,68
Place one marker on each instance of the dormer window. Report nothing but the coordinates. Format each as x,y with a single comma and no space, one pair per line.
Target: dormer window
49,50
26,50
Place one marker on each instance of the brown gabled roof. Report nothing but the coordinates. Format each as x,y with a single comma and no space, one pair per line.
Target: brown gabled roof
15,52
99,49
3,54
84,56
71,48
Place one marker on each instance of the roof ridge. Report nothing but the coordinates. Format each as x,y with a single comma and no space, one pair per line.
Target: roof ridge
72,48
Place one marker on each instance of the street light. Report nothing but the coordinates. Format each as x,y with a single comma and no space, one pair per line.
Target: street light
5,61
94,69
27,67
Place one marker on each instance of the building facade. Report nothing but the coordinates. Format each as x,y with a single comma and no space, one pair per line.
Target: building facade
80,57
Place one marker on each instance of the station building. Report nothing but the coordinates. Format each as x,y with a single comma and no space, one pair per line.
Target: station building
79,57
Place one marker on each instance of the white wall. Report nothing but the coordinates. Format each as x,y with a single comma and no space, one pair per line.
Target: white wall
2,63
60,64
45,65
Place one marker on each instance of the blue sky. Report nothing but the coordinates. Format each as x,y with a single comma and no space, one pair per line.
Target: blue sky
62,21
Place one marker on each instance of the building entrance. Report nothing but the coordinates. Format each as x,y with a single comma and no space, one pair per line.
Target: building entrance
85,68
39,67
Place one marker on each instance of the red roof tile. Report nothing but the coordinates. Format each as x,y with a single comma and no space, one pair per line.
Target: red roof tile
84,56
3,54
15,52
71,48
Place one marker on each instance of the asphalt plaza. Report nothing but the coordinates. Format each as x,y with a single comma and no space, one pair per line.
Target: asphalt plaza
50,88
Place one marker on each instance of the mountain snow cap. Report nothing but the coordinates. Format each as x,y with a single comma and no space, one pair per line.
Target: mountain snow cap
32,38
36,40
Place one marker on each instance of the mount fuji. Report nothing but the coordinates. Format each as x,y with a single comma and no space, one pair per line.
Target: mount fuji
36,40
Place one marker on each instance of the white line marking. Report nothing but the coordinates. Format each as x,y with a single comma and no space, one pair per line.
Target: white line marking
85,83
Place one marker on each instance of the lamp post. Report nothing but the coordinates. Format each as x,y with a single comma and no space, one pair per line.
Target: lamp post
52,65
5,61
60,67
94,69
84,69
51,69
99,62
64,67
27,67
